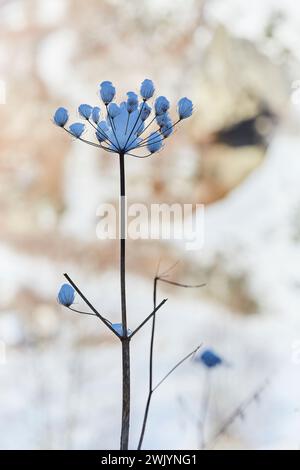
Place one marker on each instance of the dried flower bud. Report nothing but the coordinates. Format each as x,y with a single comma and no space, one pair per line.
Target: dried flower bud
147,89
132,101
113,110
145,111
161,105
102,129
185,108
118,327
209,359
85,110
66,295
107,92
154,142
61,117
96,114
77,129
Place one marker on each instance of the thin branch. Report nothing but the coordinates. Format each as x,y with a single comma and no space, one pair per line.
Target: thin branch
165,273
148,318
137,119
113,129
80,311
149,139
239,411
101,131
127,122
176,366
82,140
139,156
151,389
178,284
103,319
149,124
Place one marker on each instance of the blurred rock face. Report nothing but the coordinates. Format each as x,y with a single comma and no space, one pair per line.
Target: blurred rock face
241,96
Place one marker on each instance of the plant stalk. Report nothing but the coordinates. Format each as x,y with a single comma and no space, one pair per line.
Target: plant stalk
150,390
125,340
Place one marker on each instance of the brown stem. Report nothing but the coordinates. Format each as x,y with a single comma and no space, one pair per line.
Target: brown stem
126,340
126,394
150,391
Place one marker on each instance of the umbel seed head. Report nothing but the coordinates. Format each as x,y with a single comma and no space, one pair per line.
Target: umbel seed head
123,127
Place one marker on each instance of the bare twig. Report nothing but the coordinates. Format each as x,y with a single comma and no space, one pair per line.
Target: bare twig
178,284
103,319
148,318
175,367
239,411
81,312
151,389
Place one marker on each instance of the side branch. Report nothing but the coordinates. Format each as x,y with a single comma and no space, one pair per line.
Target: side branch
177,365
239,411
148,318
103,319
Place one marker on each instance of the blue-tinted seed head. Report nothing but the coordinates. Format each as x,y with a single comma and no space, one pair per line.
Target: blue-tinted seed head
141,128
66,295
185,108
85,110
154,142
107,92
113,110
118,327
163,119
167,129
77,129
147,89
210,359
124,125
145,111
101,132
132,101
96,114
61,117
161,105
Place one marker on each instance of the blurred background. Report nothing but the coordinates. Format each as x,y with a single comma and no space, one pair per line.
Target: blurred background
239,154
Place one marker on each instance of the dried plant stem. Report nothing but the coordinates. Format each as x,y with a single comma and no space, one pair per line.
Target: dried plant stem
239,411
125,339
150,392
151,388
